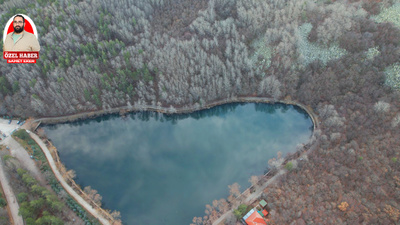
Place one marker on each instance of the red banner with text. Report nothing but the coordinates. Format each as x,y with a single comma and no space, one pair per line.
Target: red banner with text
21,57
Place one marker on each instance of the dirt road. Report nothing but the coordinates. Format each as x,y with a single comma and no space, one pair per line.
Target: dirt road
17,151
6,128
11,199
64,184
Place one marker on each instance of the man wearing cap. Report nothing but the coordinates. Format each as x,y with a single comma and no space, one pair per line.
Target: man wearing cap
20,40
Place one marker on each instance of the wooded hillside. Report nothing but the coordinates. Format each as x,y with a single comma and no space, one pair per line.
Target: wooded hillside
341,58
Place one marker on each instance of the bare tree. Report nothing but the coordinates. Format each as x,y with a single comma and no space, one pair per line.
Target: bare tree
254,180
234,189
93,195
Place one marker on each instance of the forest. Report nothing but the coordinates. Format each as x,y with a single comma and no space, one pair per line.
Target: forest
341,58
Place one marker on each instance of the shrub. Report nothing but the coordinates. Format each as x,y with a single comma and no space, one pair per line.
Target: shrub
241,211
6,157
21,133
22,197
21,172
289,166
3,202
28,179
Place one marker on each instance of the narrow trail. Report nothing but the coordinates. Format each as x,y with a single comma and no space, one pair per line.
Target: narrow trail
260,189
12,202
65,185
17,151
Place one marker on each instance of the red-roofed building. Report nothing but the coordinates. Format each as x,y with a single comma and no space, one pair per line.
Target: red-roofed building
255,219
265,212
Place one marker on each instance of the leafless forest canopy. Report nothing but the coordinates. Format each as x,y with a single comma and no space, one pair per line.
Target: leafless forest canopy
341,58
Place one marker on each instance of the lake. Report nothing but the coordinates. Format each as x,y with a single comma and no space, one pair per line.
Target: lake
163,169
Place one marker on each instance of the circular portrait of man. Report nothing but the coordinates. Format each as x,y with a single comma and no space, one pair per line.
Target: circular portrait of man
20,34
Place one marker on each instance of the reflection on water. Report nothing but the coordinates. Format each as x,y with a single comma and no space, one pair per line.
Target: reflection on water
163,169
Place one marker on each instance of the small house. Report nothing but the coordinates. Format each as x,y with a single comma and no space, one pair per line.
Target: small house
254,218
263,204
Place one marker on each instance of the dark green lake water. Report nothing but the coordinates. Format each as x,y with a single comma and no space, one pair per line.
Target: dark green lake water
164,169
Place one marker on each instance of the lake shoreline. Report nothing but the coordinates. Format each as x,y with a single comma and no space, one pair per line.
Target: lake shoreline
125,110
170,110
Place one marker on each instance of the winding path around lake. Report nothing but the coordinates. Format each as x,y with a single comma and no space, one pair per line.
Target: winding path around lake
65,185
170,110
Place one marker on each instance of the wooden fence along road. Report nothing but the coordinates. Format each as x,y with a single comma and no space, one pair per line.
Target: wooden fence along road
65,185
